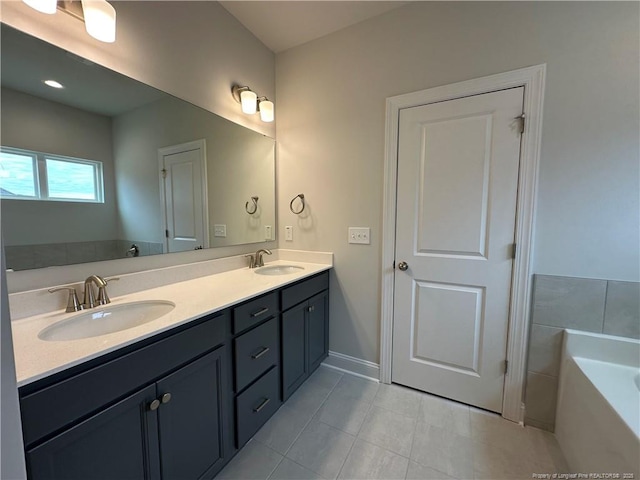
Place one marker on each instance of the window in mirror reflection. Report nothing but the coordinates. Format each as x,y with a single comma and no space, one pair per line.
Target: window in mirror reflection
29,175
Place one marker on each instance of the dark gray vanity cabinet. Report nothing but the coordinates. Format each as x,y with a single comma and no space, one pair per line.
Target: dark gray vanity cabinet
121,441
175,426
257,364
305,330
180,404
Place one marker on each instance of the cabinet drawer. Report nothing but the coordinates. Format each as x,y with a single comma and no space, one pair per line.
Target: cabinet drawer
52,408
254,311
255,352
256,405
301,291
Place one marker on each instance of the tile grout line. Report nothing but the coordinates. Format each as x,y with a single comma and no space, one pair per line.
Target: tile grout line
309,421
277,465
413,439
604,307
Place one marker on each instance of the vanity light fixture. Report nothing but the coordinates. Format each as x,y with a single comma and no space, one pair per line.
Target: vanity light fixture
100,20
265,107
43,6
98,16
251,103
246,97
53,84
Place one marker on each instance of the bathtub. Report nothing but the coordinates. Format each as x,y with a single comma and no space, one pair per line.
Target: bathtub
598,413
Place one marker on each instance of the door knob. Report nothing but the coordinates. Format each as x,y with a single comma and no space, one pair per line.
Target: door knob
403,266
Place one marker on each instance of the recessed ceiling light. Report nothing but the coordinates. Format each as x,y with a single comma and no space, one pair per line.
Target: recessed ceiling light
53,84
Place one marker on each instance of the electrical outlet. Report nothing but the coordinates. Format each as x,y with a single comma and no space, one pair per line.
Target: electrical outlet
361,235
267,232
220,230
288,233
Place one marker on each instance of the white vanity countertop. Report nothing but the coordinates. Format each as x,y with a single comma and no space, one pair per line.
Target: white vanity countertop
36,358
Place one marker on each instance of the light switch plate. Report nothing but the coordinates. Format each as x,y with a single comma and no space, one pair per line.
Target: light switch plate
361,235
288,233
220,230
267,232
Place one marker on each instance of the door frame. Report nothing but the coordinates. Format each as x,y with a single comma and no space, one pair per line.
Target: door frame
533,80
200,145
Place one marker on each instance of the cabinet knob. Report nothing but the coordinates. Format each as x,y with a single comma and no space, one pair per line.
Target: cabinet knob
154,405
166,398
311,308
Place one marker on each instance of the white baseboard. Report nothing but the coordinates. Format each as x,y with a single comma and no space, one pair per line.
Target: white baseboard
352,365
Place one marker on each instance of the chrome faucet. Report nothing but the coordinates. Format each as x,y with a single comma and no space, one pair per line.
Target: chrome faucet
259,262
89,295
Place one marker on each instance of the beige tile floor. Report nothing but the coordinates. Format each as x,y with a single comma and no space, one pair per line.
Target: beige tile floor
342,426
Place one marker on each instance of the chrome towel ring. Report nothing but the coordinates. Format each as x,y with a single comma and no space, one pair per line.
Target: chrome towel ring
255,206
301,197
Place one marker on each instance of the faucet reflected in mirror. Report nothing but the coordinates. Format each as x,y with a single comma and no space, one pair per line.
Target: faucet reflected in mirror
122,130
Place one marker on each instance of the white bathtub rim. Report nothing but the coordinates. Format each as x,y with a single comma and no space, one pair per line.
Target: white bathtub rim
602,347
624,408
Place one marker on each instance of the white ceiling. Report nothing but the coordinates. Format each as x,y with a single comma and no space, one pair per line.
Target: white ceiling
281,25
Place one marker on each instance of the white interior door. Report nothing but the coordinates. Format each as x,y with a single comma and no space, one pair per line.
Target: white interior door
457,187
184,185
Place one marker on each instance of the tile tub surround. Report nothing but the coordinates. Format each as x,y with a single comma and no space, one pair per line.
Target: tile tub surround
24,257
592,305
36,358
388,432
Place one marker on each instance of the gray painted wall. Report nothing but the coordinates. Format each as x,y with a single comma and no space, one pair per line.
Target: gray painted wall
331,127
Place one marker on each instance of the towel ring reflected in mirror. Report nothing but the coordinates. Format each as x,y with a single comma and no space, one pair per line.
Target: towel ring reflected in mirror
301,197
255,206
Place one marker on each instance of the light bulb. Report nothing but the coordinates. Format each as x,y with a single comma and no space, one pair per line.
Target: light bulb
266,111
249,101
44,6
53,84
100,20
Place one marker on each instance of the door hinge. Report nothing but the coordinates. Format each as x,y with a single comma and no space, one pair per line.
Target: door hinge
166,233
521,120
506,366
513,250
164,174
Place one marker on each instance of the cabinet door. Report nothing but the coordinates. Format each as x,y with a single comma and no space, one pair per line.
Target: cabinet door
317,329
119,442
193,442
294,358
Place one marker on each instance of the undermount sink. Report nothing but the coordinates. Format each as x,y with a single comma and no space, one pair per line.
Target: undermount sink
278,269
106,319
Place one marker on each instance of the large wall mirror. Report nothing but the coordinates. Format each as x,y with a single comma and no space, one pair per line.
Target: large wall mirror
107,167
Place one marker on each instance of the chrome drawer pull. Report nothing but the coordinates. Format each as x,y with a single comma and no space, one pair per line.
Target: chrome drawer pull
260,312
260,353
262,405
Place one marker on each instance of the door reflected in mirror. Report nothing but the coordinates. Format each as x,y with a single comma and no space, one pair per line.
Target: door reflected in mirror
106,167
